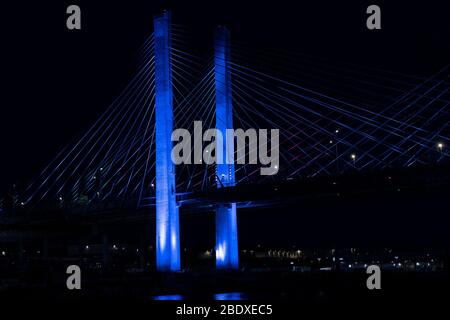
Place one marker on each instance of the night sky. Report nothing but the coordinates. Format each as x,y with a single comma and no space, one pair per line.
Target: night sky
56,82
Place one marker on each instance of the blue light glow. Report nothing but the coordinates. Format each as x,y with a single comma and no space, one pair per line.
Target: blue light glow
174,297
230,296
167,219
227,254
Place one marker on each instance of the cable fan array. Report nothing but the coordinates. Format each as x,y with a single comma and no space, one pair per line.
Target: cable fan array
332,117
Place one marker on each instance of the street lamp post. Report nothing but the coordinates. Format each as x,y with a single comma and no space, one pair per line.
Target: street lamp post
353,156
440,146
336,150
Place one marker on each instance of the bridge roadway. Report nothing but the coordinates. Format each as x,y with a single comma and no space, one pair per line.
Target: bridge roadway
413,182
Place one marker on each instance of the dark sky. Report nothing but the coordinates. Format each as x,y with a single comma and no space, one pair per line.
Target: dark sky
56,82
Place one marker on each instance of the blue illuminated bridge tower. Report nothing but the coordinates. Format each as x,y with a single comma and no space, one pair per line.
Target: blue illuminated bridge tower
227,255
167,216
167,213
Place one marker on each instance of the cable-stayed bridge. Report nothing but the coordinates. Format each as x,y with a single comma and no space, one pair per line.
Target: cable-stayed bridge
390,121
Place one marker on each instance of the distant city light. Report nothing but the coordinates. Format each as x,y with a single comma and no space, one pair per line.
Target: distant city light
336,131
353,156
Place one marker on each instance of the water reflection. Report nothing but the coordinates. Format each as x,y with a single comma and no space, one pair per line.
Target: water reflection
229,296
218,296
169,297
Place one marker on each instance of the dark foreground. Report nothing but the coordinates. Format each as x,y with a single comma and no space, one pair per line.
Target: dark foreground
284,290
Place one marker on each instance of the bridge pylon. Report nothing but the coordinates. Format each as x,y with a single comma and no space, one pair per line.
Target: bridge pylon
167,215
227,254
